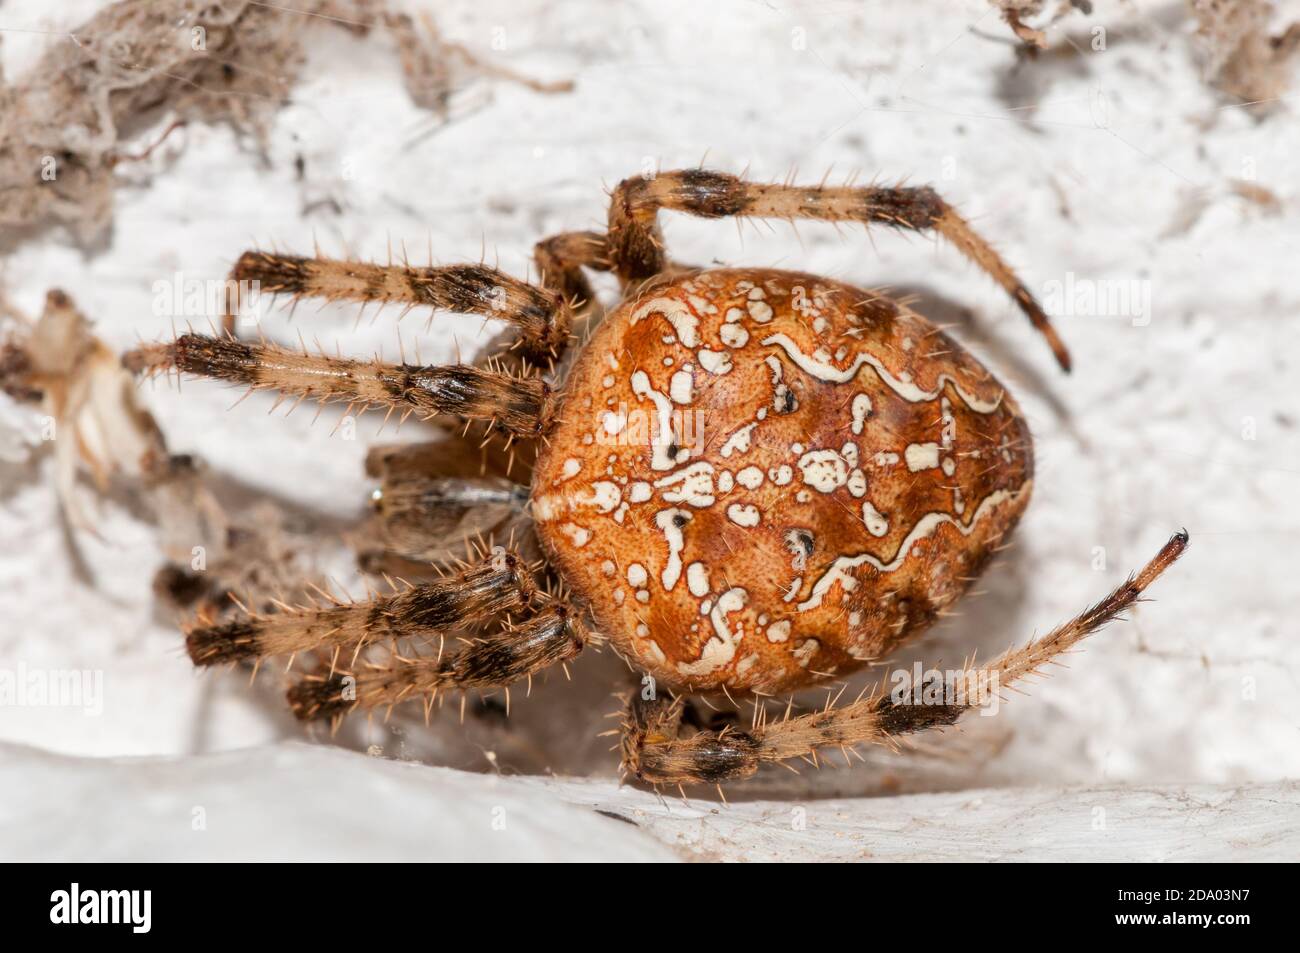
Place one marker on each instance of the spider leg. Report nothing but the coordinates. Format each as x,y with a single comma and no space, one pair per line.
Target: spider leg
553,635
561,258
518,405
653,752
650,744
636,243
498,584
541,315
418,517
431,498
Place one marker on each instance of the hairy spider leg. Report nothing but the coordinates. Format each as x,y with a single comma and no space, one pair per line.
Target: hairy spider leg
521,406
498,584
552,636
543,316
653,752
637,249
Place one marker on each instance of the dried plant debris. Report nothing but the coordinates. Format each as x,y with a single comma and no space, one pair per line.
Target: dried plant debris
62,125
1263,198
1244,52
1016,12
87,409
88,402
1240,55
427,63
1194,202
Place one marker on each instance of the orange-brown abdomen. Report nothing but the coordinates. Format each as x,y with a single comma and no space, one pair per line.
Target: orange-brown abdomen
762,476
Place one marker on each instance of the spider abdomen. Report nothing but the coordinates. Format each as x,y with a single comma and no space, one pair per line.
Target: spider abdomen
759,477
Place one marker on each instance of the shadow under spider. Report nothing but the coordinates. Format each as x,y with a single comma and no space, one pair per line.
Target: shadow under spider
1008,361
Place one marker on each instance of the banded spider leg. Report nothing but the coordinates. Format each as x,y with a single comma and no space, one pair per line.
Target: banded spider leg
512,629
655,751
637,248
478,602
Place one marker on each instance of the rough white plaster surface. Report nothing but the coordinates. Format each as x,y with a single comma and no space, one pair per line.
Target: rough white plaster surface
1180,725
319,803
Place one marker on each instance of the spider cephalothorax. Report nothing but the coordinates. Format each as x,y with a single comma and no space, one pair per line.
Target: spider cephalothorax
748,480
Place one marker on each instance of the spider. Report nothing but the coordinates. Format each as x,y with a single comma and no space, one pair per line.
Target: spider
747,481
